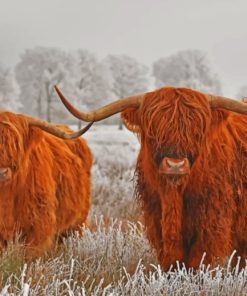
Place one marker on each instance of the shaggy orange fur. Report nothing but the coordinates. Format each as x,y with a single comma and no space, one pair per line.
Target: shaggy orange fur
204,211
42,199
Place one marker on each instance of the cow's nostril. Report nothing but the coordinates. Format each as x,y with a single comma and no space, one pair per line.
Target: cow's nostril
3,171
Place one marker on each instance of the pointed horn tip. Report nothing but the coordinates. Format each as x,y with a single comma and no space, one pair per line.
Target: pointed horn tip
53,130
56,89
60,94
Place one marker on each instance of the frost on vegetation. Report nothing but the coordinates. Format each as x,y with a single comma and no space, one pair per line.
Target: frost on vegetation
92,266
112,257
116,243
116,259
112,175
90,263
113,193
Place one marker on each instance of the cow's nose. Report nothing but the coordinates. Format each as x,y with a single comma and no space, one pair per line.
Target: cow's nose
175,165
5,174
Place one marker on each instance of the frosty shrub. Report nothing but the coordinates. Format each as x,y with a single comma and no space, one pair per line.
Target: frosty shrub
115,153
89,263
116,259
113,191
11,259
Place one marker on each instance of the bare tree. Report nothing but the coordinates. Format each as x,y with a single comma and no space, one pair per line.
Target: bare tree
92,83
129,76
190,68
9,91
37,72
242,93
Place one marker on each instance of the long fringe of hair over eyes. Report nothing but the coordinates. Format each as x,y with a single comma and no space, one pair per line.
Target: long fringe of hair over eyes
175,115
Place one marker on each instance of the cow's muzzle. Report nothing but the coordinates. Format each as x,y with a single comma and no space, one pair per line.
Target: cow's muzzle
5,174
174,167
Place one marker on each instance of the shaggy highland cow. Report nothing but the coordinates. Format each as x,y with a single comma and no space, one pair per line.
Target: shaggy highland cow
39,194
191,175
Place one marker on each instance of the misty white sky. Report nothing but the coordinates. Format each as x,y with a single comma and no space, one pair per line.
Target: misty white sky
144,29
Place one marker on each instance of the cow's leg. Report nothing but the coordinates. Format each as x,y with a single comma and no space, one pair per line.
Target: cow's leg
152,219
172,251
240,225
213,233
240,239
211,245
240,256
41,236
38,225
163,219
37,245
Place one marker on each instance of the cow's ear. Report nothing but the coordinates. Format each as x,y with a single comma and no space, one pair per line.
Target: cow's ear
131,119
34,136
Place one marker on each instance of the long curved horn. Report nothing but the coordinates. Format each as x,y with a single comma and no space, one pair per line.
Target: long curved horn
228,104
105,111
51,129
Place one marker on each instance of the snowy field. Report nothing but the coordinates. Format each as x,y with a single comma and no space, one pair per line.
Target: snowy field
115,153
113,257
109,143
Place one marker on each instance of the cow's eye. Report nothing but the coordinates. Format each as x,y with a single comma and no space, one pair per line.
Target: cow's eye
14,167
158,156
190,158
162,152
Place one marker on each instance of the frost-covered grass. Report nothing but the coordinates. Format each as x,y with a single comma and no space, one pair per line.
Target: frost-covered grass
113,257
90,263
115,154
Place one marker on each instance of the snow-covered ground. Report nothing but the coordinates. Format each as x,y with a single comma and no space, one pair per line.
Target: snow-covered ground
110,135
115,153
108,141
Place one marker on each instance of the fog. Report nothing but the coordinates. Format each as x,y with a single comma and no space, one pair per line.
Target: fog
143,29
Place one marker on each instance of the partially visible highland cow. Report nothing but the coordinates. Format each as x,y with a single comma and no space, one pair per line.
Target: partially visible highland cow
191,175
40,195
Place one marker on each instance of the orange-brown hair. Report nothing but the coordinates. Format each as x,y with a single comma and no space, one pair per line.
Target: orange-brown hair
49,191
199,213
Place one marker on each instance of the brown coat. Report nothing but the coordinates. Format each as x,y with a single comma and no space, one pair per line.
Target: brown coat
47,191
204,211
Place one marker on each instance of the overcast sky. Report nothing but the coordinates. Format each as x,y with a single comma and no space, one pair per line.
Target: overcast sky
144,29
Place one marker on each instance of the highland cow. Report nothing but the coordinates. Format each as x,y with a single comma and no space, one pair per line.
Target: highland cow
40,195
191,175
